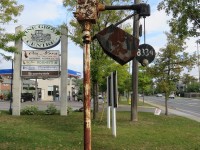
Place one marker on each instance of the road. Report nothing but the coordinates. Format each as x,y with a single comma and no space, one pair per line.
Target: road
186,105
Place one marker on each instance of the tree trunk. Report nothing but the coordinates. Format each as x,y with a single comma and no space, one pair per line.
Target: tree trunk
95,99
166,106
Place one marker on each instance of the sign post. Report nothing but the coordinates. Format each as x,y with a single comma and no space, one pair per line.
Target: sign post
112,100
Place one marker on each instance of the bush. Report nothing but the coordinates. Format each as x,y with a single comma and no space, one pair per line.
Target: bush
69,109
29,110
51,109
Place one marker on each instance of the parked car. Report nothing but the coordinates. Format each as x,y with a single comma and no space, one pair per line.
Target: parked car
100,99
79,97
159,95
27,97
172,96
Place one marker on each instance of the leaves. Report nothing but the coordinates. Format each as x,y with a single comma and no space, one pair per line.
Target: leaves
101,64
185,16
171,61
9,9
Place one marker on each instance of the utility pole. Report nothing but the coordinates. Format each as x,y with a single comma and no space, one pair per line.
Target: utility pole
134,97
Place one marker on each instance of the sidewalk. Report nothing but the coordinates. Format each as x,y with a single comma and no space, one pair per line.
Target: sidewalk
176,112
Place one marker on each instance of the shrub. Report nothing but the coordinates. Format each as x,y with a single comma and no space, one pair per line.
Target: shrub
51,109
29,110
69,109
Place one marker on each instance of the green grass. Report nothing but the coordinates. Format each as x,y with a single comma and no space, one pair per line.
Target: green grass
53,132
140,103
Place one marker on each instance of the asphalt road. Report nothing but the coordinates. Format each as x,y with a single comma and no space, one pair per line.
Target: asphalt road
186,105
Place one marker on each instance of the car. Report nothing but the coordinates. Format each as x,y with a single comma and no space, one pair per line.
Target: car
100,99
27,97
79,97
172,96
159,95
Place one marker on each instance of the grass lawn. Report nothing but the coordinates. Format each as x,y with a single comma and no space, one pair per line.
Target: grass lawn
55,132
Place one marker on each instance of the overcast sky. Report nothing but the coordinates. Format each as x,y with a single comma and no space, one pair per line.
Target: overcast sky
53,13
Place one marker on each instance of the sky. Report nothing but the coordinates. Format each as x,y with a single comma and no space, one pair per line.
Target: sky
53,13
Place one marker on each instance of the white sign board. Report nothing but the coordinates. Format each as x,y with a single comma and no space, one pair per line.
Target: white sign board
40,55
40,63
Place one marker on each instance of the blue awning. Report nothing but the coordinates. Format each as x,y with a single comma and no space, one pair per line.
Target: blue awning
5,71
73,73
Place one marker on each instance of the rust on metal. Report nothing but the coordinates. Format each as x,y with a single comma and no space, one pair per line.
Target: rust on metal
86,11
118,44
86,81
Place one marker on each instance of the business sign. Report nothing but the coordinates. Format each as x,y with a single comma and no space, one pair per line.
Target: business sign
41,36
40,64
40,55
40,68
40,74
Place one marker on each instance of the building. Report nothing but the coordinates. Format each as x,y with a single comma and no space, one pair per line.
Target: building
47,89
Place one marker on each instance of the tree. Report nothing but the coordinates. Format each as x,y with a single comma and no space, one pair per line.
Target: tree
9,9
100,63
171,62
185,16
193,87
144,80
187,80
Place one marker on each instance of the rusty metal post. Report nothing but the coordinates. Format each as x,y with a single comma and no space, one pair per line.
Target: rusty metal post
86,82
86,14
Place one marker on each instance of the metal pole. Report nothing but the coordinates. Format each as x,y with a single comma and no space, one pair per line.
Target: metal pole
108,108
134,100
86,75
113,107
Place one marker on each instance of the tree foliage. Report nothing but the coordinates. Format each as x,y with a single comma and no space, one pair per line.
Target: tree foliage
144,80
171,61
101,64
185,16
9,10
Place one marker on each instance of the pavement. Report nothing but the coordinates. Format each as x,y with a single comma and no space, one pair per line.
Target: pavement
175,112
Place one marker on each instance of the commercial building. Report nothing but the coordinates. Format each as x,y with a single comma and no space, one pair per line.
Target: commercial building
48,89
